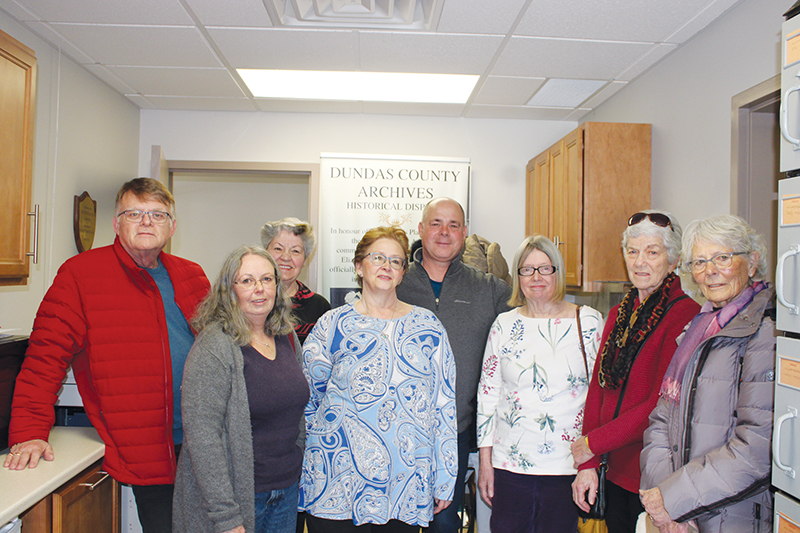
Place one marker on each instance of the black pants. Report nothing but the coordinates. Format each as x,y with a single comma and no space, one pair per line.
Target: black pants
154,505
323,525
623,509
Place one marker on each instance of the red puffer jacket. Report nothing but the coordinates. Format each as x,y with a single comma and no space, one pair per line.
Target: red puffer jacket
104,315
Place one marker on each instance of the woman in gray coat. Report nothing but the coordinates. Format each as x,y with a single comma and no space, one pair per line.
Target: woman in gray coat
243,399
706,457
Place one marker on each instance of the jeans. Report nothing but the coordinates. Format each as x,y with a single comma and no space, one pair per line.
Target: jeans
448,520
276,510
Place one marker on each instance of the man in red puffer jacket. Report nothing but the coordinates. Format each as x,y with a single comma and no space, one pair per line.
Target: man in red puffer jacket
120,316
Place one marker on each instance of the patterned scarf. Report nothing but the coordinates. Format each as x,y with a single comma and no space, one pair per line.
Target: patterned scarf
631,329
708,322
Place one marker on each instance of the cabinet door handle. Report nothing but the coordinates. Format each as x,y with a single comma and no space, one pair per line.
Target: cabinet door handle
35,252
94,485
790,413
558,242
784,117
793,308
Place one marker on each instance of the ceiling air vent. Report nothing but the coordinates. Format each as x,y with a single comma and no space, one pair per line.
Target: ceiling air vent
418,15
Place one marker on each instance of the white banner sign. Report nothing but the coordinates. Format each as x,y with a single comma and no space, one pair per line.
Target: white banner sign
359,192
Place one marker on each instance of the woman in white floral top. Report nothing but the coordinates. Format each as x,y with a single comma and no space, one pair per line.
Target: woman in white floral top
531,396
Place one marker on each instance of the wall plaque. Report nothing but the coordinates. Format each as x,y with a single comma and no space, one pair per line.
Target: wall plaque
84,221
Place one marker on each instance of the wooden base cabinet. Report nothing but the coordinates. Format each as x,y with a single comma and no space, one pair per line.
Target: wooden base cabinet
581,192
88,502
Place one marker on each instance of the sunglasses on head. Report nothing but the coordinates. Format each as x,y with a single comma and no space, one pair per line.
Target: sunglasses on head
659,219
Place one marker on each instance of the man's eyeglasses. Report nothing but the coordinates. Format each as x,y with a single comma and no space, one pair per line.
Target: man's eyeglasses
156,217
723,260
378,259
250,283
659,219
544,270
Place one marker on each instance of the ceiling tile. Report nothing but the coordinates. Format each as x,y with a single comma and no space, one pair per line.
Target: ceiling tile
140,101
111,79
701,20
514,112
604,94
153,46
500,90
49,34
207,82
16,10
632,20
650,58
201,104
479,16
288,49
559,92
244,13
307,106
427,53
560,58
110,11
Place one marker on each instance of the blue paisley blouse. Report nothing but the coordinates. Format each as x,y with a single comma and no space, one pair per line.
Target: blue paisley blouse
381,420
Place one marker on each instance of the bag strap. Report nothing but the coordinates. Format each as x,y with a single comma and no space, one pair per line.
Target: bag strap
583,348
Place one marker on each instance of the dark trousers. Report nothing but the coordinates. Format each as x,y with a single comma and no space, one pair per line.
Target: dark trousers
524,503
323,525
154,505
623,509
448,520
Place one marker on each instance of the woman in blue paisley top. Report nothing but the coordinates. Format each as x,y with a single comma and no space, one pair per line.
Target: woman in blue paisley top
381,450
531,397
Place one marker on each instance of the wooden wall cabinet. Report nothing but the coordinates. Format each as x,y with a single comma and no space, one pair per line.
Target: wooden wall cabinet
17,106
581,192
88,502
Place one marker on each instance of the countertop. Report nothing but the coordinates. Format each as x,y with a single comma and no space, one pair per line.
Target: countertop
75,449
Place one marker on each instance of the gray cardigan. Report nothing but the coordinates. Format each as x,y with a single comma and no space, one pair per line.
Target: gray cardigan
214,484
467,306
710,455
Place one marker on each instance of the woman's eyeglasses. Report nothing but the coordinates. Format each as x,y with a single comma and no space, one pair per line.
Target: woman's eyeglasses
378,259
544,270
659,219
723,260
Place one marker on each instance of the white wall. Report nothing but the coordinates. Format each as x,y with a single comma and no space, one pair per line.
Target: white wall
498,150
86,138
687,98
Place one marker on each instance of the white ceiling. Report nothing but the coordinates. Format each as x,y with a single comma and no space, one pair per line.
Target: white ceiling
182,54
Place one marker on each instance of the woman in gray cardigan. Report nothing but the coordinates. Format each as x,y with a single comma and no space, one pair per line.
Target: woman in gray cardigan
243,398
706,457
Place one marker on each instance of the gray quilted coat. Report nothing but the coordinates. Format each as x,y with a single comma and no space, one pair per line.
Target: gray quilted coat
710,455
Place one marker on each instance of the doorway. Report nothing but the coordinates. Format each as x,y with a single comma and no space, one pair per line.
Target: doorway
755,161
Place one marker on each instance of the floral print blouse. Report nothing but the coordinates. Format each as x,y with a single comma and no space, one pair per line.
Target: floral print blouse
533,390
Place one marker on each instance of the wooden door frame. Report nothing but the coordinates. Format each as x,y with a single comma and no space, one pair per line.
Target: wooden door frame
163,169
742,106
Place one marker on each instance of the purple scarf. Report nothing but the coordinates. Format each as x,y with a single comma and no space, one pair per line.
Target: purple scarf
708,322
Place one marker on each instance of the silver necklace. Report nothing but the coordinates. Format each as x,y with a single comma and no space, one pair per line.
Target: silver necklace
388,324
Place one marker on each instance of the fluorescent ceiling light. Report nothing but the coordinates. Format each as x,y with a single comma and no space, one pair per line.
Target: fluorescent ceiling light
359,86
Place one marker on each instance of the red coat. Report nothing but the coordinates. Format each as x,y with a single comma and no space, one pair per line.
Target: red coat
105,316
623,436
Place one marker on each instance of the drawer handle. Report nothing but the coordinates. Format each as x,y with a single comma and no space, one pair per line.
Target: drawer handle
790,413
93,486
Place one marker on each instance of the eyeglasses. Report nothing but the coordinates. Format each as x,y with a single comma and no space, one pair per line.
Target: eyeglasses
544,270
378,259
249,284
156,217
659,219
723,260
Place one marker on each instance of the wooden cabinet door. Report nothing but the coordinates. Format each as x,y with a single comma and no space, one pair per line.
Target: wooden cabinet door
539,187
17,90
90,502
572,222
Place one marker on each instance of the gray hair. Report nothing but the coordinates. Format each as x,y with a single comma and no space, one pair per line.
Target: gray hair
729,231
298,227
546,246
670,237
221,305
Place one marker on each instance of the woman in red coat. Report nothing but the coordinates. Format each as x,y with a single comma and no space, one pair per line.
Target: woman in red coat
637,346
